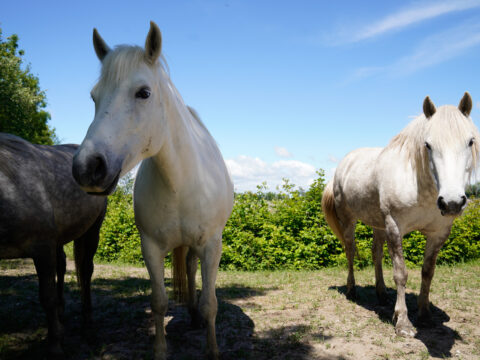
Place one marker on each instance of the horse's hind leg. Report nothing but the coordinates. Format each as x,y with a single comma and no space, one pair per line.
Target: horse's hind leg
61,269
379,237
154,260
192,266
434,243
210,259
349,243
45,264
84,250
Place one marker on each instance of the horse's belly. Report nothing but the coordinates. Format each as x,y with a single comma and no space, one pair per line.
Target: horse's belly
10,252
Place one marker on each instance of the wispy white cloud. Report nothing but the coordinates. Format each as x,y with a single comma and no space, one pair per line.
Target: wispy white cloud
413,15
432,50
248,172
333,159
398,20
282,152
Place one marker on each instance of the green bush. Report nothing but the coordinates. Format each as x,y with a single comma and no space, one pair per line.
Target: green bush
284,230
119,237
287,231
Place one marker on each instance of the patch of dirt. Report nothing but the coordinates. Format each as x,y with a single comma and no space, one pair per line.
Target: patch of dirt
264,315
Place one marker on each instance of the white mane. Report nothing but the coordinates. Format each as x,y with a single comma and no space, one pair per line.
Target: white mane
447,128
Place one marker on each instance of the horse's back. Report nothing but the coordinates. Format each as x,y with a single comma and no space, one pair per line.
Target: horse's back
355,186
24,205
355,173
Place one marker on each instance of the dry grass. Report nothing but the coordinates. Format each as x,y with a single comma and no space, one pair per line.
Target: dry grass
262,315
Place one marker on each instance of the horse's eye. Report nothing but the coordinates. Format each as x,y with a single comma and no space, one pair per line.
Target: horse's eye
427,145
472,140
143,93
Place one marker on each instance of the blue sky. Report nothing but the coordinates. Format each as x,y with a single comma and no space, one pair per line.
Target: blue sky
285,87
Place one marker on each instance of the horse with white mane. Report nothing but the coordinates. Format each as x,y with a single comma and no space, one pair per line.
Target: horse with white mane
183,194
417,182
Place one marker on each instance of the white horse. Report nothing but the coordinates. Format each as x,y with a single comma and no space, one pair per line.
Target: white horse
183,194
417,182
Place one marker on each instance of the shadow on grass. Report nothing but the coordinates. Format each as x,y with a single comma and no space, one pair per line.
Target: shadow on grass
123,325
289,342
437,337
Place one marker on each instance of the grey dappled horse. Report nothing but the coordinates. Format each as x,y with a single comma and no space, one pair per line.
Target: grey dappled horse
41,209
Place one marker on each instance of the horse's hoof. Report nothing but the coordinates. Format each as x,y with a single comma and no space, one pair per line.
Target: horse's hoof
351,294
405,330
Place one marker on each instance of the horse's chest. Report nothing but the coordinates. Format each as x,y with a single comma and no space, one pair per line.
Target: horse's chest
170,218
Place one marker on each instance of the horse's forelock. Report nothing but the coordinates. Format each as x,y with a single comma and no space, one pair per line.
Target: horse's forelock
121,61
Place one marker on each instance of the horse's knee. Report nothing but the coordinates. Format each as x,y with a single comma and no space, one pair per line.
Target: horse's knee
400,276
427,271
208,306
159,303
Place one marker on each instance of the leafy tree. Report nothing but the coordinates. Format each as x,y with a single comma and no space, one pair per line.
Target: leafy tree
22,102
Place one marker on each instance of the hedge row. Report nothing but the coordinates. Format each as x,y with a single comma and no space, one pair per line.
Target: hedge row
284,230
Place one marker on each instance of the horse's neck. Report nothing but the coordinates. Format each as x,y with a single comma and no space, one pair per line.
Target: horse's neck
174,160
426,188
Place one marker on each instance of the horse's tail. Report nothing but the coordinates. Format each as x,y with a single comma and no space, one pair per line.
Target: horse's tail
328,206
179,273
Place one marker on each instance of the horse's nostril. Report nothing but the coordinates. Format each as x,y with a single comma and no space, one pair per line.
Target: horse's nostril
99,169
442,205
464,200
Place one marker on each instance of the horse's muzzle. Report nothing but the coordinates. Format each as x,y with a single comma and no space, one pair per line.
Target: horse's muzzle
451,207
93,174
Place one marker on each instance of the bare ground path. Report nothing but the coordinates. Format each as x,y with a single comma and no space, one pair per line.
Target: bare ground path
262,315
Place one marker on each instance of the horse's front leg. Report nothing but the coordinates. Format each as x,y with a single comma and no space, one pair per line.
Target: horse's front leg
433,246
84,249
45,264
154,260
210,259
403,326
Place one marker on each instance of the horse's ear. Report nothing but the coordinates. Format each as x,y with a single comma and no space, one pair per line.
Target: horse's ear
466,104
428,107
153,44
101,47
